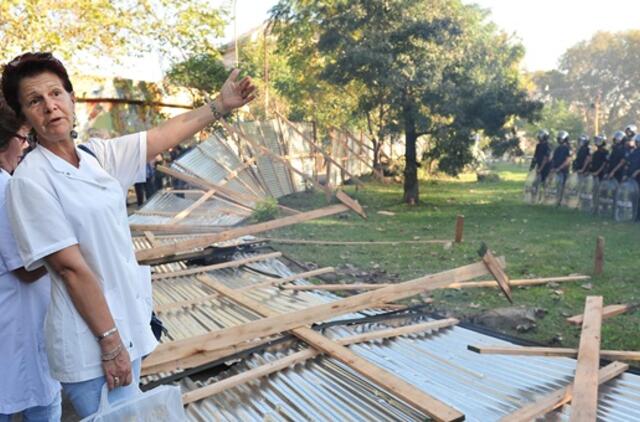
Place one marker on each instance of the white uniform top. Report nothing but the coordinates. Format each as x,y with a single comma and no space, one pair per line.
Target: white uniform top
24,372
53,205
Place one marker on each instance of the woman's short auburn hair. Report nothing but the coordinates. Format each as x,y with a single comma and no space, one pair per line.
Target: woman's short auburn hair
27,65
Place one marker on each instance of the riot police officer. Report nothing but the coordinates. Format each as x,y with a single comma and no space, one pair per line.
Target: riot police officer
561,156
541,156
619,150
599,160
583,155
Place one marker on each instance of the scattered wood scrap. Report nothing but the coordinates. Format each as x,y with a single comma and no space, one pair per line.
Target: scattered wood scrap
560,397
496,270
181,349
608,311
551,352
585,385
303,355
405,391
145,255
350,243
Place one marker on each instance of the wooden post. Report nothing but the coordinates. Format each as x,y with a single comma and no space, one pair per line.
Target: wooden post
598,260
459,228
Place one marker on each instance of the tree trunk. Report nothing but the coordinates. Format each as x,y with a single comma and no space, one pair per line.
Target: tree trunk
411,193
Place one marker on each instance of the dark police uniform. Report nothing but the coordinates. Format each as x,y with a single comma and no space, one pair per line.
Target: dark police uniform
618,153
542,150
581,156
599,158
560,155
633,163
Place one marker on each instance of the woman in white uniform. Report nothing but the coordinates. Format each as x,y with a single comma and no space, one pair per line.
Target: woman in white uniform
25,385
67,212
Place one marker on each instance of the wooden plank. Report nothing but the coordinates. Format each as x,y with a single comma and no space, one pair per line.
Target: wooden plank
229,264
559,398
275,282
151,238
177,229
203,241
375,171
496,270
467,285
551,352
166,307
265,327
584,406
303,355
350,243
319,150
598,259
222,192
185,212
607,312
459,228
385,379
200,358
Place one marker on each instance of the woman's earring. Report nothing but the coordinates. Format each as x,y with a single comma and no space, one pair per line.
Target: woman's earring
74,132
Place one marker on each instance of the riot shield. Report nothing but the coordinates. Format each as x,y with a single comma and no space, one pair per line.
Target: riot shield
553,189
570,198
626,208
586,193
607,197
531,185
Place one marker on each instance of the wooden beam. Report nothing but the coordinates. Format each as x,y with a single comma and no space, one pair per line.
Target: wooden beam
496,270
151,238
318,149
203,241
598,259
459,228
275,282
559,398
383,378
166,307
221,192
607,312
204,269
349,243
375,171
468,285
167,352
551,352
185,212
585,385
177,229
306,354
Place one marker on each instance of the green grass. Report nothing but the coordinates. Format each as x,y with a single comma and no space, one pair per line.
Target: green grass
538,241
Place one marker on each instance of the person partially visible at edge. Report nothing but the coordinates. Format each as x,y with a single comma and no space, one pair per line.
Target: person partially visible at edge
599,161
25,385
632,171
67,212
561,156
616,161
583,156
541,156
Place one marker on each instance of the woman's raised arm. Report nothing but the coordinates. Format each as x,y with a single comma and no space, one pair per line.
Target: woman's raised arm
233,94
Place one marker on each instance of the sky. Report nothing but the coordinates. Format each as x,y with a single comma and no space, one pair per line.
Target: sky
547,28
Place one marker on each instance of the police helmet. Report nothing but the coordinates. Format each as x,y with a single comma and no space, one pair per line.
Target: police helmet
599,140
583,140
618,137
631,131
636,139
543,135
562,137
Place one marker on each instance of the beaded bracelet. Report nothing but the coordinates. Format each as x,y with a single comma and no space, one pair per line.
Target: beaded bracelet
106,357
214,110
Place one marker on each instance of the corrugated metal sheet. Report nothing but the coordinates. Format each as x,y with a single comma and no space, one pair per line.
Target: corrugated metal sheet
483,387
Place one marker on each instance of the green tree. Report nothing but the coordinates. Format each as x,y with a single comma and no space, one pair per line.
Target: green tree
429,67
203,74
97,29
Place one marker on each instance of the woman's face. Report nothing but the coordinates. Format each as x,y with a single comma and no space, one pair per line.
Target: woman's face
10,156
47,107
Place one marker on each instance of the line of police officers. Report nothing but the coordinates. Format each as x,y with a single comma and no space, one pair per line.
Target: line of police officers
593,171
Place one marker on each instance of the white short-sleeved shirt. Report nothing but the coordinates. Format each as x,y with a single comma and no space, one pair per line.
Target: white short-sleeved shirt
53,205
25,380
